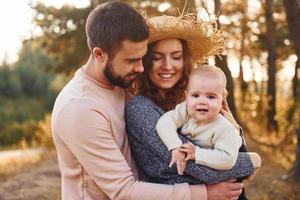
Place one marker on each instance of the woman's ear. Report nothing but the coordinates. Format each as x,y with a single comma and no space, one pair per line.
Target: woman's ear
99,54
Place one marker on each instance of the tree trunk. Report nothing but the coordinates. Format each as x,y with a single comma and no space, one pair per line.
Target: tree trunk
292,10
222,63
243,83
271,92
297,165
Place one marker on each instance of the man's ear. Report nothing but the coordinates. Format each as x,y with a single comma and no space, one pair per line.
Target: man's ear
99,54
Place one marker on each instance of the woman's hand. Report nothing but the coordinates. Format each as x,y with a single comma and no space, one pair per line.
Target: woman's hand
178,158
227,113
224,190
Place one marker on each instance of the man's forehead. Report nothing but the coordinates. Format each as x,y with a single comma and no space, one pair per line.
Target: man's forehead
129,43
133,48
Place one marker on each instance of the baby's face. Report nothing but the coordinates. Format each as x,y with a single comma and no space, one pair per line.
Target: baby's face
204,98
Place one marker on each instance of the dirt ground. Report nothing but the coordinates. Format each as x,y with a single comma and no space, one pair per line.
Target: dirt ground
272,181
42,182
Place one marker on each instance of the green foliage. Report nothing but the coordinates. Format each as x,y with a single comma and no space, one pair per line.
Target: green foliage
31,69
18,119
25,95
64,38
27,77
10,84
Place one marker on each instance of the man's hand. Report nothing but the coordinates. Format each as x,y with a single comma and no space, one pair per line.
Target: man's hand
224,191
178,158
188,148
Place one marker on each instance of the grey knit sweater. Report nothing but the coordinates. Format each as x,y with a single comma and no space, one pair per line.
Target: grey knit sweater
153,157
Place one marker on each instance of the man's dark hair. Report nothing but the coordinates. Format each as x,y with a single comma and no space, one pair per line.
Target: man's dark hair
111,23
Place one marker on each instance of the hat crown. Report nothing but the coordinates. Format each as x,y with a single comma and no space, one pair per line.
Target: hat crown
203,39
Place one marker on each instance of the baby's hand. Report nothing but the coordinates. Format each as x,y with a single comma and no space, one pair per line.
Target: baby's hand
188,148
178,158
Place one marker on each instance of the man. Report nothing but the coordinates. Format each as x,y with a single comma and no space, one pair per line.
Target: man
88,117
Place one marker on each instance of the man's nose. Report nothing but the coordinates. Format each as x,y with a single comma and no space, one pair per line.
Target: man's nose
139,68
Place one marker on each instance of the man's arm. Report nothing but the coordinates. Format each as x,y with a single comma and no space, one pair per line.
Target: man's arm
87,134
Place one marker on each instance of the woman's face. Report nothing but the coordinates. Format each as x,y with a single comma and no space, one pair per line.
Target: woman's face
167,63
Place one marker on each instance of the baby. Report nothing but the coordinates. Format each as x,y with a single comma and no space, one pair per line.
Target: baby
217,140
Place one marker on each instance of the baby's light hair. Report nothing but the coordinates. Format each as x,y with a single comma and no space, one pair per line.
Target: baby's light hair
212,71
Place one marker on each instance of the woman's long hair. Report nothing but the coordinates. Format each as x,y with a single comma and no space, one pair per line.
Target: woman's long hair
144,86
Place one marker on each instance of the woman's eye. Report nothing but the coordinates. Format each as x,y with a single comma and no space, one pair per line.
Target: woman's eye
177,57
157,58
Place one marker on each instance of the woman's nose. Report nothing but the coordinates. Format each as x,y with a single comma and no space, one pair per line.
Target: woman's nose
167,64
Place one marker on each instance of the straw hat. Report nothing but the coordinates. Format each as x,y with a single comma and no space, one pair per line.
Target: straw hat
203,39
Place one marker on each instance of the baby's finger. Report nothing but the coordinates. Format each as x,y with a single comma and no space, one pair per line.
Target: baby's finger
172,162
186,146
185,150
188,157
182,166
179,167
183,145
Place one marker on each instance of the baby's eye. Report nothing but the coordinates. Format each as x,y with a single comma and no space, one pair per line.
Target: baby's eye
211,97
195,95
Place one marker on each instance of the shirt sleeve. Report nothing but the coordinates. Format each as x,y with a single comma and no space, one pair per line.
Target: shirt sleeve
87,134
168,124
226,143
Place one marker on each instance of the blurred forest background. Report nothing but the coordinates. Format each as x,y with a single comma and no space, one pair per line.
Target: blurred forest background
261,64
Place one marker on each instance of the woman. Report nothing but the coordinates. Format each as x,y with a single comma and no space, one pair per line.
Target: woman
174,42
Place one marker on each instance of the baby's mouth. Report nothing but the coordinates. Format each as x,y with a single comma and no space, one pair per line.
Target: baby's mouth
202,110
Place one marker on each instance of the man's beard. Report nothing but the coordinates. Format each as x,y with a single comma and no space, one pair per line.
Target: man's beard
114,79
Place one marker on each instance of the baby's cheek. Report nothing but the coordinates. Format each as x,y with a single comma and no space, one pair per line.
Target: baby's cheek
189,106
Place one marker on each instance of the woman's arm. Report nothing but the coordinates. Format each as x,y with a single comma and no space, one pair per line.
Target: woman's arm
153,157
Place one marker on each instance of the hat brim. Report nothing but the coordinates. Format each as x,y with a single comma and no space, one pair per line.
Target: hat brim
203,39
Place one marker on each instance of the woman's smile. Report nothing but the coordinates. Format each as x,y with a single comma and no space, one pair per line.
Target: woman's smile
166,76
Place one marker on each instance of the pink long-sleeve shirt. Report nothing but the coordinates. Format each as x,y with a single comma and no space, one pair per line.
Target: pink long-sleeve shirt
94,156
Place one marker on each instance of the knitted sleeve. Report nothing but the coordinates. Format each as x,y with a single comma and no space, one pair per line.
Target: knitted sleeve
152,156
